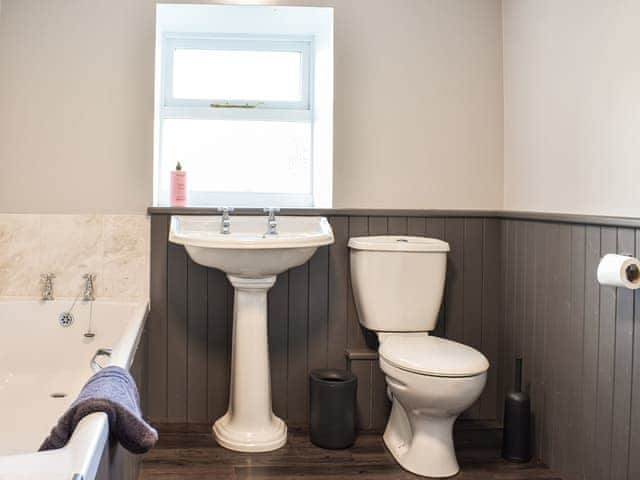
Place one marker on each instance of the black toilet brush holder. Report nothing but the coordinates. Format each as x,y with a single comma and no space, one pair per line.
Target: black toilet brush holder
516,434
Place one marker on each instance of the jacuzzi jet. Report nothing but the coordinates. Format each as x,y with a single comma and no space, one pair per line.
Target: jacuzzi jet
58,395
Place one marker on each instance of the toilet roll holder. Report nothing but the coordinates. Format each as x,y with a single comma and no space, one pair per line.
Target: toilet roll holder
632,272
628,275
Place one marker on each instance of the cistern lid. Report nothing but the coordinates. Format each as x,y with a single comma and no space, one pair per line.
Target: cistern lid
433,356
397,243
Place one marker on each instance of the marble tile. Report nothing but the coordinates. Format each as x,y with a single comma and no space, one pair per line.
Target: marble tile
19,255
125,279
114,247
126,256
72,245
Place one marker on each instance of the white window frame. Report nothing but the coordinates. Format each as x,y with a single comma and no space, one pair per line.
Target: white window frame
240,109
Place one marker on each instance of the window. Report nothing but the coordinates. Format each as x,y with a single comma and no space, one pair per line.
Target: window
264,72
245,113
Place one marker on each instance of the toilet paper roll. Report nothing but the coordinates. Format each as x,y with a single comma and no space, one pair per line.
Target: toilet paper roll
619,271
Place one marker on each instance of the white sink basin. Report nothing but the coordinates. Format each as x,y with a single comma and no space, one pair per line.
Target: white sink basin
247,251
251,259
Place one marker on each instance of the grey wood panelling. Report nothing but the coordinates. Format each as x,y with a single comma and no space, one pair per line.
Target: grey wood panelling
318,309
623,362
218,342
576,350
634,423
338,293
196,343
278,342
297,348
491,313
578,341
312,321
157,322
516,287
590,352
177,334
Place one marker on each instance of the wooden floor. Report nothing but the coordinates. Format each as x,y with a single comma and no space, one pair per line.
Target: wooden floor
191,453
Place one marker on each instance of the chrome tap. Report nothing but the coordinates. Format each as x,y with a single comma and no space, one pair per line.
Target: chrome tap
89,294
225,224
46,279
272,223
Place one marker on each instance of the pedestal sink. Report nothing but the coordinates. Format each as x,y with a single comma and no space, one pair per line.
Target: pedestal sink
251,259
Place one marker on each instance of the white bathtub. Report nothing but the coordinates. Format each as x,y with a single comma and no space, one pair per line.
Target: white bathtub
38,358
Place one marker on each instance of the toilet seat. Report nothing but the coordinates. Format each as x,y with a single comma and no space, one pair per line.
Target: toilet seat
432,356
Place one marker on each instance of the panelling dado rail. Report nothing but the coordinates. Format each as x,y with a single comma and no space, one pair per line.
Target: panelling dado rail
518,285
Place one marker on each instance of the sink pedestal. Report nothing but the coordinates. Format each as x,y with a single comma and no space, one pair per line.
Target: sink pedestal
249,424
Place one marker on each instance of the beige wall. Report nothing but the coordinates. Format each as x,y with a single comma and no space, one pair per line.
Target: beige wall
76,106
418,116
572,106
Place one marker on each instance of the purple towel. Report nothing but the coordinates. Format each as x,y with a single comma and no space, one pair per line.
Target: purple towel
113,391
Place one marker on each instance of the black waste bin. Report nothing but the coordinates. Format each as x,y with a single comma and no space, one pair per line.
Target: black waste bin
332,420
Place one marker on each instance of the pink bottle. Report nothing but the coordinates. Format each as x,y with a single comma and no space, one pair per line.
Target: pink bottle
178,190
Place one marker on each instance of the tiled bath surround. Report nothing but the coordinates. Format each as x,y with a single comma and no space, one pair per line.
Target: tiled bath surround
114,247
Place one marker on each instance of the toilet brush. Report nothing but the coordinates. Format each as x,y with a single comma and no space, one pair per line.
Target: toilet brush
516,434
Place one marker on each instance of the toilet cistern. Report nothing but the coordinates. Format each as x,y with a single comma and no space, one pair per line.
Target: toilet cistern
251,261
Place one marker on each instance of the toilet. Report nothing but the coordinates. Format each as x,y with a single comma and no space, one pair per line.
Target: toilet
398,284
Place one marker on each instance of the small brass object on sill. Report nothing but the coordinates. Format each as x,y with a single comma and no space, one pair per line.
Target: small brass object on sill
233,105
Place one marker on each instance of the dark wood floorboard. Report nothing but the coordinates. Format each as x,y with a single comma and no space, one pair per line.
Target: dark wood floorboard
190,452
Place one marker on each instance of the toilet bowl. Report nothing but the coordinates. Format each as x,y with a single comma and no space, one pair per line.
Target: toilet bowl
427,399
398,284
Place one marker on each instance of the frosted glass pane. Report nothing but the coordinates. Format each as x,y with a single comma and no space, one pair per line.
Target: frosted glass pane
237,75
239,156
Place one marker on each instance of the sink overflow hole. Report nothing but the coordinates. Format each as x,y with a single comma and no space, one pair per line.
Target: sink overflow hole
58,395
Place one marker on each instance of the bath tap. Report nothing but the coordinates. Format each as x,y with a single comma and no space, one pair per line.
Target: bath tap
225,224
47,286
90,287
272,223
